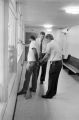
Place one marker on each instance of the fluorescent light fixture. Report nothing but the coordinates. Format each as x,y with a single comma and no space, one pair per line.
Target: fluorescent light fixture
49,30
72,9
47,26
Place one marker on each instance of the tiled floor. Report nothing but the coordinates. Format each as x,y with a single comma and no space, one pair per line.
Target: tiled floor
64,106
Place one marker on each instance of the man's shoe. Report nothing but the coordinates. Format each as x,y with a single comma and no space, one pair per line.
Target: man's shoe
28,95
21,92
46,96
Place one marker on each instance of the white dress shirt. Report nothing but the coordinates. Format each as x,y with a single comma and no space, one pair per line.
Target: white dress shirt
44,45
38,42
54,50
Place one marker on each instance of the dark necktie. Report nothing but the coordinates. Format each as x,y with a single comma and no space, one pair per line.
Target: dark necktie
40,51
41,47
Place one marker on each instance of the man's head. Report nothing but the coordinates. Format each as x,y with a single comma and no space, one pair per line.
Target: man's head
42,35
49,37
32,38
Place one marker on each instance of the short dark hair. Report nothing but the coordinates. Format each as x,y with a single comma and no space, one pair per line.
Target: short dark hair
32,37
42,33
49,36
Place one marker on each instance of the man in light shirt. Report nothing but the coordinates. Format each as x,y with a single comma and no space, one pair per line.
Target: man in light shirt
31,69
54,57
39,41
46,40
42,41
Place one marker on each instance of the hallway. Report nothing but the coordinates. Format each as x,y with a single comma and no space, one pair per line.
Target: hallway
64,106
19,20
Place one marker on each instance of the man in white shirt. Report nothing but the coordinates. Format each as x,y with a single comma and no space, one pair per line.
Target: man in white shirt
54,57
31,68
46,40
39,41
40,44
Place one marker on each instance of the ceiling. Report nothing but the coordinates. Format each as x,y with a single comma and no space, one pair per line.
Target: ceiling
39,12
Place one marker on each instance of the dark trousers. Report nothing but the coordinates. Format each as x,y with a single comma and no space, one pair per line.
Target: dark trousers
31,71
54,72
43,72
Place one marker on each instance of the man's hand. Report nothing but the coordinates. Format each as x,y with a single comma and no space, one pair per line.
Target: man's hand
40,62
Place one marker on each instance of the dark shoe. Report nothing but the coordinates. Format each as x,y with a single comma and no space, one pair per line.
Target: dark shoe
21,92
46,96
28,95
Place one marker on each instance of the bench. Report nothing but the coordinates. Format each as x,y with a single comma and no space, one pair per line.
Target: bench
72,64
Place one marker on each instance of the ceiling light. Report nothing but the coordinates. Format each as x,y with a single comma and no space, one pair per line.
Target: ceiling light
72,9
47,26
49,30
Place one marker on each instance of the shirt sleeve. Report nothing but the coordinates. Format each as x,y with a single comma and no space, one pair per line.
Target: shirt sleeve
48,49
33,44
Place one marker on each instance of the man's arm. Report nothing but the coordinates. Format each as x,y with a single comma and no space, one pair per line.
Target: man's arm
48,52
35,53
25,45
45,58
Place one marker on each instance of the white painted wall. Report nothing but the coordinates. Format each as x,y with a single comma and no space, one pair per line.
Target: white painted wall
73,41
2,60
63,42
12,98
1,39
3,88
20,32
8,88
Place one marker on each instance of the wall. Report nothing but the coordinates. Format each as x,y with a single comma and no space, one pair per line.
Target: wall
9,109
34,29
20,32
10,67
73,41
1,40
37,30
61,37
15,33
3,49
